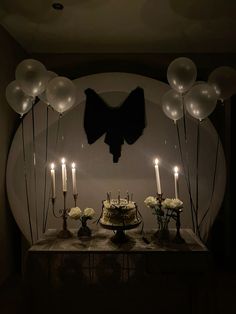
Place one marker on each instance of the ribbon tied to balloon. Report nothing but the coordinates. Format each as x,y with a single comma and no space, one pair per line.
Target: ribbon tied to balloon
125,122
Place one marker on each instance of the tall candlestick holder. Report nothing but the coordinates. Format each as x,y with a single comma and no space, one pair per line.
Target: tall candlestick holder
75,196
160,199
63,213
176,216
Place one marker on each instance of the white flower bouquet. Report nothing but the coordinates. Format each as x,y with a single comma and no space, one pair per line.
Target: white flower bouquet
164,210
88,213
172,203
151,201
76,213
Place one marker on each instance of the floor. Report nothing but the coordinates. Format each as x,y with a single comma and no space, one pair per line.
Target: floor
216,294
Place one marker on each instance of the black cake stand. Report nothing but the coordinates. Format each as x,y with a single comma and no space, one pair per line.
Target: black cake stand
120,236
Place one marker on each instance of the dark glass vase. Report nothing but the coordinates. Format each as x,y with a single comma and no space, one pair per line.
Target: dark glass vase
84,230
163,233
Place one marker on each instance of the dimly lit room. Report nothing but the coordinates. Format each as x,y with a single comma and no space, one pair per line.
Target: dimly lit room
117,159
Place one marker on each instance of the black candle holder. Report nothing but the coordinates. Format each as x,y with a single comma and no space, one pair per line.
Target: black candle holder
178,238
63,213
160,199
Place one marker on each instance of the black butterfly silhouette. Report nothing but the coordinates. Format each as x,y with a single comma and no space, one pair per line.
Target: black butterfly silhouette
125,122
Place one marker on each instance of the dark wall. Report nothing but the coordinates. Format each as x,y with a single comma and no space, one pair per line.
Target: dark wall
10,55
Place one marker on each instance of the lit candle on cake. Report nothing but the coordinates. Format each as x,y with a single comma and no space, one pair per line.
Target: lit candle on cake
74,184
118,196
64,175
127,193
109,197
158,181
176,176
53,181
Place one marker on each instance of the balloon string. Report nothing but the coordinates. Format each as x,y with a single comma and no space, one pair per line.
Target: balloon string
187,177
35,174
56,146
213,181
45,169
197,177
26,181
58,131
184,118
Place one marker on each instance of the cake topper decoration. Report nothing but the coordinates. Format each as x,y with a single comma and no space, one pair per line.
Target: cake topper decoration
125,122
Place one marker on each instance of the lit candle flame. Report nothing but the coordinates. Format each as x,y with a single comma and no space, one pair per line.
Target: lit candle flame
156,161
52,166
63,161
176,169
73,165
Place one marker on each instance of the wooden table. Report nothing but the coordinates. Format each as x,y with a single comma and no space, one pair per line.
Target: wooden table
141,268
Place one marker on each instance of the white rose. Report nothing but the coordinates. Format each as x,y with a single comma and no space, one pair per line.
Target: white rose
172,203
75,213
89,212
150,201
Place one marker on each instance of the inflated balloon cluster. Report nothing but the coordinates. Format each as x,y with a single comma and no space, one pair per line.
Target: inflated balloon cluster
33,80
199,98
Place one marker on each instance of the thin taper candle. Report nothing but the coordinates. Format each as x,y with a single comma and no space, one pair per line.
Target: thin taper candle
127,193
74,183
118,196
158,181
176,176
64,175
53,181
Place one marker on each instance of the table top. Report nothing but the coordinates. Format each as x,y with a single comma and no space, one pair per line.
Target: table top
100,241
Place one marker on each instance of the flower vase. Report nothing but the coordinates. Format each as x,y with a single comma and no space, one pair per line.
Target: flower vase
163,233
84,230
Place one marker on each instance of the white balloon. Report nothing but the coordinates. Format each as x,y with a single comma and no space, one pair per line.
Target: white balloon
43,96
61,93
200,101
32,77
17,99
172,105
223,80
181,74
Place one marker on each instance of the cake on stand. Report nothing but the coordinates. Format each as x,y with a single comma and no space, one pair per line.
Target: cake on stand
120,235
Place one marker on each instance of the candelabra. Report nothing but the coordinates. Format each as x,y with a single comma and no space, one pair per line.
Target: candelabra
63,213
